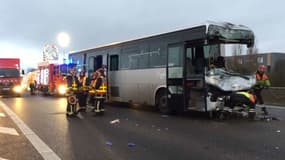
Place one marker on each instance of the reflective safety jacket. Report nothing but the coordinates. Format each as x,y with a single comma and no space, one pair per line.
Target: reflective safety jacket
72,82
262,80
101,85
251,97
82,82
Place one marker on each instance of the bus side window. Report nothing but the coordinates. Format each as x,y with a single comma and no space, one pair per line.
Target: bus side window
189,59
114,62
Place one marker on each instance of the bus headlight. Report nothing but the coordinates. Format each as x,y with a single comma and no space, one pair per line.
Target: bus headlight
62,89
17,89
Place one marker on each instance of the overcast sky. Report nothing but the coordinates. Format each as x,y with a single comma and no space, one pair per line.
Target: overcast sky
27,25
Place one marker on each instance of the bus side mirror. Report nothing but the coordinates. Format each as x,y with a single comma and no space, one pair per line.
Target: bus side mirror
23,72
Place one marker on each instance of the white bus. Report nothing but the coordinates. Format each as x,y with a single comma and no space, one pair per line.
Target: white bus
165,70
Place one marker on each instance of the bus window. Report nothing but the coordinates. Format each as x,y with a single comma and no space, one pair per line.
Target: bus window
114,62
189,59
97,62
94,63
175,69
199,61
174,57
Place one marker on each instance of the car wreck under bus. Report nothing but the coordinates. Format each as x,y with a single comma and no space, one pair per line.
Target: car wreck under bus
171,70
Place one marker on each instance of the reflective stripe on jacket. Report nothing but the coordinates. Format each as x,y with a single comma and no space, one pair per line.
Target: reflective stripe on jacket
103,86
248,95
82,82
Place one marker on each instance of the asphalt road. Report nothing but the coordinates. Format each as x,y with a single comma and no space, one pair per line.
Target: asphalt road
153,136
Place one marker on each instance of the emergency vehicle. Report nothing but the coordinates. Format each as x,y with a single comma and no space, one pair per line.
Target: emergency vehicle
10,79
51,78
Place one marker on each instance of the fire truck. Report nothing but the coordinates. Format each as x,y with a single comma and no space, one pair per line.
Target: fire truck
10,79
51,78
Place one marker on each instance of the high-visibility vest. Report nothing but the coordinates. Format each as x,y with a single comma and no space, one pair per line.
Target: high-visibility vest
73,82
261,77
262,80
248,95
103,87
82,81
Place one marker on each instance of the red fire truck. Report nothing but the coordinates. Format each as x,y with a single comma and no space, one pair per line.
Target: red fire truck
10,79
51,78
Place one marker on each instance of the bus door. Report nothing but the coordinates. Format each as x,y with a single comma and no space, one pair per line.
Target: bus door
195,63
175,77
97,62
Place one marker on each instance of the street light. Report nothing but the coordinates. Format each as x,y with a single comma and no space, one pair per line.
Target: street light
63,40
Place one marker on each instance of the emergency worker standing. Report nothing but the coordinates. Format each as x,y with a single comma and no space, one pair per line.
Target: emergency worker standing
82,92
32,85
72,84
100,91
92,88
262,81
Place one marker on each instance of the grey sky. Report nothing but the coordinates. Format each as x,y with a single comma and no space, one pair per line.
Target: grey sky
26,25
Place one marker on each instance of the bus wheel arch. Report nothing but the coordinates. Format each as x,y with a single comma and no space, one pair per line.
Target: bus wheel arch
161,101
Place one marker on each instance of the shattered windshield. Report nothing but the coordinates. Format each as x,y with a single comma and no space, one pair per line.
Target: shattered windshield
233,58
231,33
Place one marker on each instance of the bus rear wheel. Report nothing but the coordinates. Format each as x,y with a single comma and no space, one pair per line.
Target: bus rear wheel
161,102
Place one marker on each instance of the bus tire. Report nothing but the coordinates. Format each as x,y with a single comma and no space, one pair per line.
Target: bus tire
161,102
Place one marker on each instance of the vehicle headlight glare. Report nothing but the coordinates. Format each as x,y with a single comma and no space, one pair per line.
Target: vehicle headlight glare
17,89
62,89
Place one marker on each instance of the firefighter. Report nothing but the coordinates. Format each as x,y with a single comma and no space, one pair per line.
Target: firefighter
91,91
72,84
244,99
262,81
82,93
32,84
100,91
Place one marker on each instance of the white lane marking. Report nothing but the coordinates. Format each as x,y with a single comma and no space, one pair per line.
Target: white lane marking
40,146
10,131
2,115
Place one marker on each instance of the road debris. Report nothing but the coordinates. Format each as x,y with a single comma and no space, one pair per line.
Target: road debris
166,129
278,131
109,143
131,144
115,121
277,148
137,125
164,116
158,130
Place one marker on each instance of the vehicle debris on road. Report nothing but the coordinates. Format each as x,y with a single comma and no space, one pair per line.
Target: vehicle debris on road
115,121
109,143
131,144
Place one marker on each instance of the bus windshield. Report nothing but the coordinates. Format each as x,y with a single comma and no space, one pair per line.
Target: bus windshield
9,73
231,33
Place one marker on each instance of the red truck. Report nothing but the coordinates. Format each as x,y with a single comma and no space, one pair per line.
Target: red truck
51,78
10,79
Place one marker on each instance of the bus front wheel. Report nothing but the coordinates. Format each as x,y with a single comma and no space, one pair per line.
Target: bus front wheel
161,102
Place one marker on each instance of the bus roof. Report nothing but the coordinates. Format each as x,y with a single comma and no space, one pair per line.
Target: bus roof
206,25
